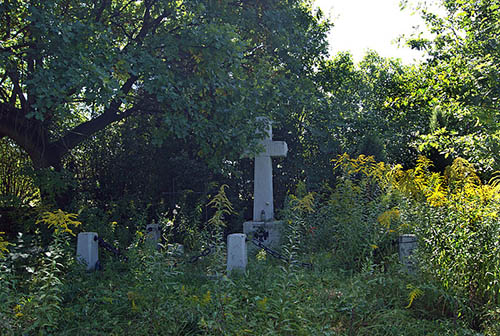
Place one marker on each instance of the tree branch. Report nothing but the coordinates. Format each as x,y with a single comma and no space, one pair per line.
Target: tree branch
14,77
100,10
119,12
83,131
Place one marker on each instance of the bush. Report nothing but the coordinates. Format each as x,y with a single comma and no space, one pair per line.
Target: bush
455,217
344,222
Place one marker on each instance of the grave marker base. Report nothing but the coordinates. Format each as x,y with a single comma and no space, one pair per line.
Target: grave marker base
270,231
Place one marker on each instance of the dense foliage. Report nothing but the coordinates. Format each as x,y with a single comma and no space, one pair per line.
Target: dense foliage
350,290
116,114
204,69
462,81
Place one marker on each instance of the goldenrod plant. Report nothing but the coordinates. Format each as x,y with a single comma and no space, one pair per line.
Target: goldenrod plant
455,216
59,220
44,303
3,245
222,206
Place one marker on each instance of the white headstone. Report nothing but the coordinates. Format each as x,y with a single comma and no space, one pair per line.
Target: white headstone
236,252
87,249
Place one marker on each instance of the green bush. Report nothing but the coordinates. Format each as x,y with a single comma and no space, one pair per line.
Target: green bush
455,217
344,221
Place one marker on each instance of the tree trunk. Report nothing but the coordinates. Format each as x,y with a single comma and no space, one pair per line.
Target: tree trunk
32,136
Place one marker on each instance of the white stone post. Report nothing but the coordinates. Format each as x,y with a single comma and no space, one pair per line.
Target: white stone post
236,252
153,235
87,249
153,232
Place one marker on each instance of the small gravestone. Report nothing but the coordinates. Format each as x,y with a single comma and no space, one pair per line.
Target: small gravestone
153,232
263,226
153,235
407,245
87,249
236,252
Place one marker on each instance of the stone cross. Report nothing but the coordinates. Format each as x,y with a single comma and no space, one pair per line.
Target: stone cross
263,208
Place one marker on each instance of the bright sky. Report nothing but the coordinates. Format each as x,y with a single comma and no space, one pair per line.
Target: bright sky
360,25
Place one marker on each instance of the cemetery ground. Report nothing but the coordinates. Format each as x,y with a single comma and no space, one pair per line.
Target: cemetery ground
116,115
154,293
348,233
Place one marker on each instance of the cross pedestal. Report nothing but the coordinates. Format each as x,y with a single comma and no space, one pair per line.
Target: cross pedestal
263,223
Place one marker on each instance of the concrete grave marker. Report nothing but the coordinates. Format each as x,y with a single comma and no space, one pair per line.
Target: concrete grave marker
407,244
236,252
153,232
263,222
87,249
153,235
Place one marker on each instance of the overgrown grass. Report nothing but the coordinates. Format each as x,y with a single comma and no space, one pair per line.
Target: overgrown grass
156,294
356,287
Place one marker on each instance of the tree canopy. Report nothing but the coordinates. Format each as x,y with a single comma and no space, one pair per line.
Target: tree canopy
204,68
462,83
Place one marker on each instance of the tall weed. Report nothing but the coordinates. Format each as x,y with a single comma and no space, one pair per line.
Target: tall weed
455,217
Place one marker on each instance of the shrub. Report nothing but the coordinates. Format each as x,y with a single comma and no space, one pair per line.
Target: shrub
455,217
344,222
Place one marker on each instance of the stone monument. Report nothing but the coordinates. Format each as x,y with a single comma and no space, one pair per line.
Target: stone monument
153,235
263,224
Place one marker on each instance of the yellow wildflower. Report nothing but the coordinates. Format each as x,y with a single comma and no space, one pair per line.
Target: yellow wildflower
262,303
17,309
60,220
388,216
206,298
3,245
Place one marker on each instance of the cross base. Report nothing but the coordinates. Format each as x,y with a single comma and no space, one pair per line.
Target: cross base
269,232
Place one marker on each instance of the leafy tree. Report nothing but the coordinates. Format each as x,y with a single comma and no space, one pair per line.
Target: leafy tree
200,70
462,77
366,109
71,68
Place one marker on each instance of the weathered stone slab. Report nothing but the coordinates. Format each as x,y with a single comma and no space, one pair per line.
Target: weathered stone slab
407,246
153,233
87,251
236,252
